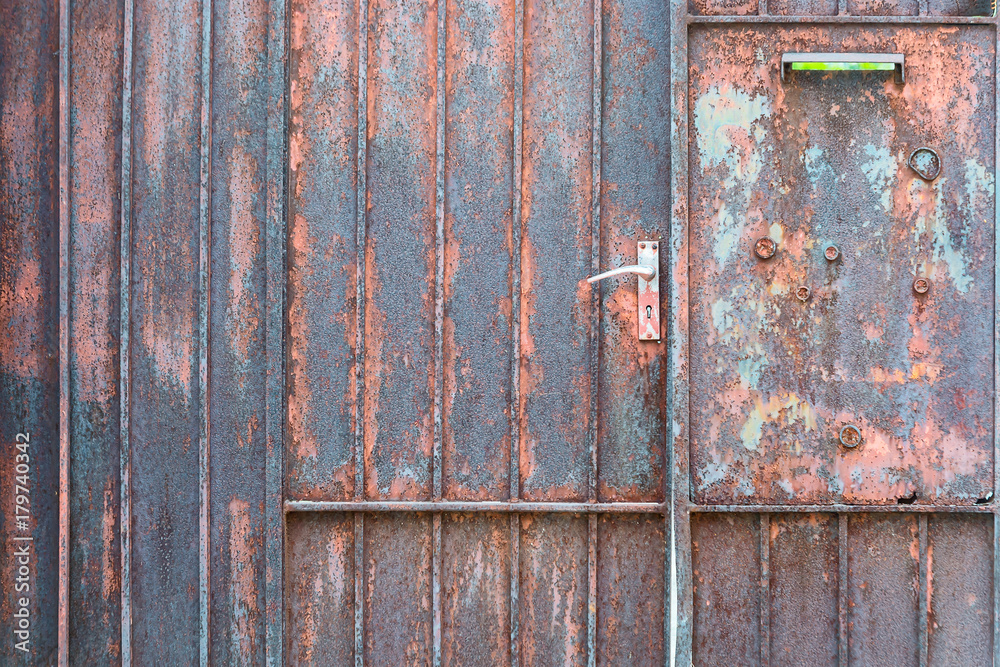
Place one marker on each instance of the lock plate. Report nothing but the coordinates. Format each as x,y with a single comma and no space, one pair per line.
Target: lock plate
648,254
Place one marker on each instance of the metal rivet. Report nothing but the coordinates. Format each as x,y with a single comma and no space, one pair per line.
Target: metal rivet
764,247
642,245
850,436
802,293
832,252
921,285
654,246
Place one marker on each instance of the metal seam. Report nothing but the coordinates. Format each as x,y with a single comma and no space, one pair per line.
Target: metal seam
436,484
124,343
592,590
64,259
204,296
495,506
515,581
361,255
765,589
274,335
843,635
922,588
996,368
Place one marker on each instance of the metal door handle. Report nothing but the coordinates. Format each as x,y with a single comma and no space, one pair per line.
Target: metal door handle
644,272
647,288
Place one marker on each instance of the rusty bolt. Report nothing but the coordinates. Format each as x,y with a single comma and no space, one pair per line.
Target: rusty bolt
832,252
802,293
921,285
850,436
654,246
642,245
764,247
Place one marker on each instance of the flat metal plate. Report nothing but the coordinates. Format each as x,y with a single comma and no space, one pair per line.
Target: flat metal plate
648,254
787,351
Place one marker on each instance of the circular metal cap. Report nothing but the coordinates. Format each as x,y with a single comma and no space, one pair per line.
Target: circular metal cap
802,293
764,247
850,436
921,285
832,252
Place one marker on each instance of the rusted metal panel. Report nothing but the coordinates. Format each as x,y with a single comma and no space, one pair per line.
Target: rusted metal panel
320,584
553,590
883,554
29,380
777,378
635,140
960,590
803,607
630,591
556,251
726,588
322,248
802,7
397,590
237,371
399,252
883,7
475,590
164,435
95,98
478,249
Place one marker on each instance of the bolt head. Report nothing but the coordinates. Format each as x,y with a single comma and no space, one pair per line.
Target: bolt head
921,285
765,247
850,436
802,293
832,252
654,246
642,245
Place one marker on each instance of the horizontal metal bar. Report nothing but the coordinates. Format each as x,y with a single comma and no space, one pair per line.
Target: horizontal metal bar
471,506
828,20
751,509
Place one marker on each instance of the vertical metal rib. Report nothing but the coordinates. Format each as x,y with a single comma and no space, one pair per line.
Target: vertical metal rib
765,590
277,124
64,259
842,7
204,295
843,638
922,587
515,580
591,590
124,341
762,8
515,335
996,588
361,167
442,6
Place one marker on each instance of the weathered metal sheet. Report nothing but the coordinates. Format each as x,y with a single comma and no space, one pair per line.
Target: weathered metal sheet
556,251
726,589
29,272
960,590
821,160
164,435
553,590
320,589
237,372
400,250
635,163
883,609
478,249
630,591
95,98
475,590
803,606
322,249
397,589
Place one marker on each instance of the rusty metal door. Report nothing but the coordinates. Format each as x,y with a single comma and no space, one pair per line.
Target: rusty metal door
835,395
475,466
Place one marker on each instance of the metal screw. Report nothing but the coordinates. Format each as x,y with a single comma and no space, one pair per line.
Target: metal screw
654,246
832,252
764,247
850,436
802,293
642,245
921,285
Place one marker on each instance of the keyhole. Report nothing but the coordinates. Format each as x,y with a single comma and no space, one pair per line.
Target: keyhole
649,312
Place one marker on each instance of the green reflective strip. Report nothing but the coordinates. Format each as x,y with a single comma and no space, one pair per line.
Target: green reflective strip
844,66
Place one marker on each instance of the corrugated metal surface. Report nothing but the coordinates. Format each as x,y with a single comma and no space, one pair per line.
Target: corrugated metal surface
333,391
